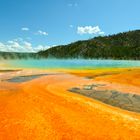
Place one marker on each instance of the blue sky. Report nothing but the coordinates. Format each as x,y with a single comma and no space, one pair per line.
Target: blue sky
37,24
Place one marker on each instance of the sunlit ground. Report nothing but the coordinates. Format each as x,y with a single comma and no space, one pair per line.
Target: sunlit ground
43,107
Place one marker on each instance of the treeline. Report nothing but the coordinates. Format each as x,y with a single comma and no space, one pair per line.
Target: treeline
120,46
16,55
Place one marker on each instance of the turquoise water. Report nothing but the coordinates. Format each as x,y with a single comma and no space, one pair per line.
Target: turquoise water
72,64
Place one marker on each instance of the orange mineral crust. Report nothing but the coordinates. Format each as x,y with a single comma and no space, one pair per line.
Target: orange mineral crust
128,77
121,79
44,109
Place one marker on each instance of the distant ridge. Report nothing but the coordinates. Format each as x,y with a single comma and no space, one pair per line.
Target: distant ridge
17,55
119,46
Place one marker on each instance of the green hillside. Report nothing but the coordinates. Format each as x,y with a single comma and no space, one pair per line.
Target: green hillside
120,46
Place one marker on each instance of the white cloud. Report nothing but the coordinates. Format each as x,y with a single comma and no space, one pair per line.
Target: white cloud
28,45
25,29
42,33
16,46
10,46
2,47
89,30
21,46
